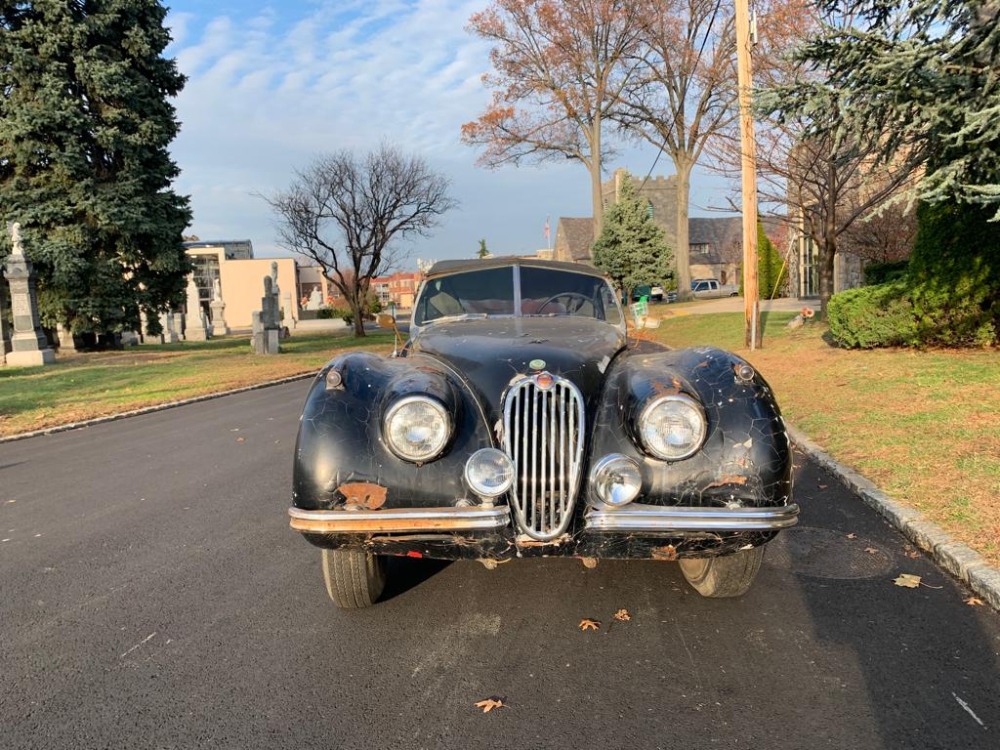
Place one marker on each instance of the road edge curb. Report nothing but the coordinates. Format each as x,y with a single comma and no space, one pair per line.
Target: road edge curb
155,408
958,559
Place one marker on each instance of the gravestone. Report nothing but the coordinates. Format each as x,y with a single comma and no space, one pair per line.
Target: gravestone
287,319
218,305
195,328
29,346
168,323
4,328
266,340
66,341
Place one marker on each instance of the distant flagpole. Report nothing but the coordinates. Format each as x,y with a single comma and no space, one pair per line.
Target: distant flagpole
548,234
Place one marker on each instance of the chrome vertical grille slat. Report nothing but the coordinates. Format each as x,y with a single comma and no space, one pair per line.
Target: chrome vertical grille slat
543,435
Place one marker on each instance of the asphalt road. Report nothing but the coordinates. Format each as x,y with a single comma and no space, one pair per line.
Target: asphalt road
152,596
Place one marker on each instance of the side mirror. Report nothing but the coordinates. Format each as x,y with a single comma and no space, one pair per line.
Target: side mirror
385,320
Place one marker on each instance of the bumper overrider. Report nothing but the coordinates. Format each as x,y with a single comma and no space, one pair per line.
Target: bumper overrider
635,518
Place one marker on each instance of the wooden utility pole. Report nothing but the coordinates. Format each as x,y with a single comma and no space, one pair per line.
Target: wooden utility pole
748,149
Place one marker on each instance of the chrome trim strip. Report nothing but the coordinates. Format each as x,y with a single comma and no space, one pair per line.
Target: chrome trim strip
403,520
638,517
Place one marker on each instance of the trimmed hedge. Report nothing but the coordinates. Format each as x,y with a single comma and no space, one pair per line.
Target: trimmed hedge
955,275
882,273
329,313
873,316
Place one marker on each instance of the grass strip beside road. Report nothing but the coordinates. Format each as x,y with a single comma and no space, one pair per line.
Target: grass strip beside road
84,386
924,426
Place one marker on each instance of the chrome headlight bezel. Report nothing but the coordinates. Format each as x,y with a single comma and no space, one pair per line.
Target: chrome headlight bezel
402,409
482,488
609,485
682,405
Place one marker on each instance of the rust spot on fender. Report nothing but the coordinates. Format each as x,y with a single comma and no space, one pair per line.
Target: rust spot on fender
363,495
668,553
727,480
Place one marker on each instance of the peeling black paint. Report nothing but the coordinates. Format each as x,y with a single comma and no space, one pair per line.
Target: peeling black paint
745,460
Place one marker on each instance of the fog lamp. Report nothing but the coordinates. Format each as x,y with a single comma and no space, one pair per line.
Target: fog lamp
489,472
616,479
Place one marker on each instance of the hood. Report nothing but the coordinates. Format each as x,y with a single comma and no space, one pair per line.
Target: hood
489,353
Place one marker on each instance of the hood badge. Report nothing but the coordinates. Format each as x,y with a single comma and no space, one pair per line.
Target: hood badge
537,364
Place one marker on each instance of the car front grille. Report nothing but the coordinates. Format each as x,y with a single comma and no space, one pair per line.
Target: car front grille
543,434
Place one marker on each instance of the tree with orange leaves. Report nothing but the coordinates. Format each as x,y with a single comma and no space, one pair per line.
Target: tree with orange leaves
559,67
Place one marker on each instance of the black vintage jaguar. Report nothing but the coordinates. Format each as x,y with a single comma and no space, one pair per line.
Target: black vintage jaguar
519,421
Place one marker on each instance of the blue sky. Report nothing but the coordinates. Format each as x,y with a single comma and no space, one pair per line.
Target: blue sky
272,85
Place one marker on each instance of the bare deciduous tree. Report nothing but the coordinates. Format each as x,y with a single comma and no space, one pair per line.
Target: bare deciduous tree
344,212
813,174
684,94
559,68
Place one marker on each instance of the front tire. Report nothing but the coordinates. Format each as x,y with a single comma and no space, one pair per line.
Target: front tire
720,577
353,579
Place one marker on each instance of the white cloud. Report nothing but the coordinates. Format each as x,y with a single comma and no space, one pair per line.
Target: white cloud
266,93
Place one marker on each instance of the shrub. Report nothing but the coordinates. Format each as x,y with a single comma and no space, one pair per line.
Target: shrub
955,275
882,273
873,316
331,313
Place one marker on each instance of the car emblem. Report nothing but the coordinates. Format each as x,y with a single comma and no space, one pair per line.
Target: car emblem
537,364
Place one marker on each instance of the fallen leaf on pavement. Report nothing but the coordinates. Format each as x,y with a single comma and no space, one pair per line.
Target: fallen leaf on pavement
871,550
489,704
852,535
587,624
912,582
241,439
974,601
622,615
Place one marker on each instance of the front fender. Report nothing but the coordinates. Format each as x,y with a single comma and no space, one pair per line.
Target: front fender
745,459
340,456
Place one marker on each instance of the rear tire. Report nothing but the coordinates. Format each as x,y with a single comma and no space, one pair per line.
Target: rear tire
720,577
353,579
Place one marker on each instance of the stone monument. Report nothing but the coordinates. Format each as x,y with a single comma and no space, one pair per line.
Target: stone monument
195,328
169,326
218,305
287,318
4,328
315,300
267,323
29,346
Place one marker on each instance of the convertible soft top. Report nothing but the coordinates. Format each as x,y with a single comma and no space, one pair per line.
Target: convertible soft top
444,267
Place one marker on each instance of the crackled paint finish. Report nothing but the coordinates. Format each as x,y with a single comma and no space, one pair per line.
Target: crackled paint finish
342,461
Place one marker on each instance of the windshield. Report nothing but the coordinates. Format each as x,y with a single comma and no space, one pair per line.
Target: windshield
544,292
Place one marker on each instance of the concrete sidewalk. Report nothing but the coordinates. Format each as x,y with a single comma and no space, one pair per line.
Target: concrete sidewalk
731,304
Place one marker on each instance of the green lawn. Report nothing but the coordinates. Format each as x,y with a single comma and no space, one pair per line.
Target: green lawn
82,386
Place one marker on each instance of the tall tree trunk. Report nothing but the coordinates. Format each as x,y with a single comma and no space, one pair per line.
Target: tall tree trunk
682,244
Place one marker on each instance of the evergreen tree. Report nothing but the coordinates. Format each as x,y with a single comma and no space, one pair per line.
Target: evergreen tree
85,125
632,249
772,272
924,74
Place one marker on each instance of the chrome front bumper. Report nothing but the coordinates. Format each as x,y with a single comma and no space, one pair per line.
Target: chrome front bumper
401,520
634,518
658,518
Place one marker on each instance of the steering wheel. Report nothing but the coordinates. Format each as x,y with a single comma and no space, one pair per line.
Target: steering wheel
565,295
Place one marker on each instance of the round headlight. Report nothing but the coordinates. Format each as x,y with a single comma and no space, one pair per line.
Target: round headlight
489,472
417,428
672,427
616,479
